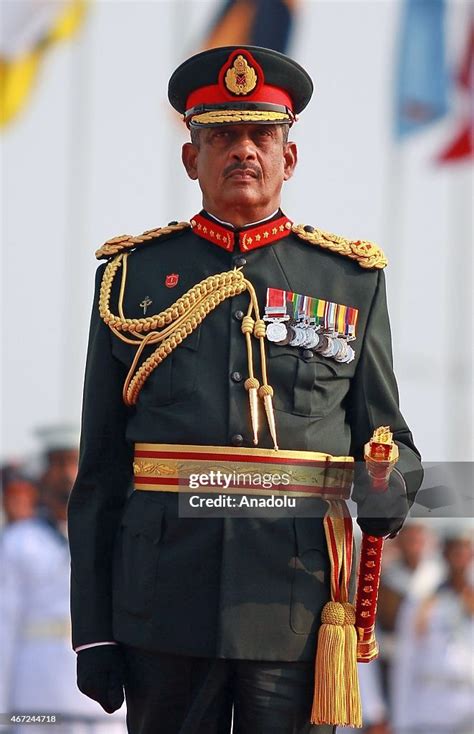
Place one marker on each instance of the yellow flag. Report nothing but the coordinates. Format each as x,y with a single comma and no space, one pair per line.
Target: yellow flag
19,72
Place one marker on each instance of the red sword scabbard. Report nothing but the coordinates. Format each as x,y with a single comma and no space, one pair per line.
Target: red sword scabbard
381,454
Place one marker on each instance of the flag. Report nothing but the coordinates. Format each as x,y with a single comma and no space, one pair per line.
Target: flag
422,79
29,30
461,146
253,22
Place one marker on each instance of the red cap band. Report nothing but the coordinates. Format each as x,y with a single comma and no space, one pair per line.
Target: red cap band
213,94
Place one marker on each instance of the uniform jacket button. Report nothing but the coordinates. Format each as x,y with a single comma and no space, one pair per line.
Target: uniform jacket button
239,315
237,439
236,377
240,262
307,353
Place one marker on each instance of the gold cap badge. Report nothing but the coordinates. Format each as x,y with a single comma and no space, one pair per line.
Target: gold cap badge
240,78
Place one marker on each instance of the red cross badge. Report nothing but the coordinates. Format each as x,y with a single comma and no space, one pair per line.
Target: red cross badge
171,280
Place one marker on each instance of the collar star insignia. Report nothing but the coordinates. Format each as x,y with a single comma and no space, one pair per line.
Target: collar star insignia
248,238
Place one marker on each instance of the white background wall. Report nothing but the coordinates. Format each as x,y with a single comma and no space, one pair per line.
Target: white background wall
97,153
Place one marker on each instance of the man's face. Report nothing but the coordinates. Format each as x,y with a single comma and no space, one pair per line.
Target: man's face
240,167
458,554
413,541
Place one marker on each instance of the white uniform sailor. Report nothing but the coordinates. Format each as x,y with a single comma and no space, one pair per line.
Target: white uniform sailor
432,682
38,671
38,664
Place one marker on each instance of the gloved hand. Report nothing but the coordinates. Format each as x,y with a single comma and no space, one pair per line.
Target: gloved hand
379,513
101,675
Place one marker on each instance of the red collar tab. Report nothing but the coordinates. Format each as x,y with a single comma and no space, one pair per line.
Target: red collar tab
250,238
213,231
264,234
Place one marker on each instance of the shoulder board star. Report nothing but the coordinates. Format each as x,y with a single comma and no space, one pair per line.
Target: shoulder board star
368,254
127,242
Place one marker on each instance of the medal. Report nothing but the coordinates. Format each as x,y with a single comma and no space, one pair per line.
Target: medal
350,354
331,347
341,350
314,323
276,331
275,314
312,338
299,337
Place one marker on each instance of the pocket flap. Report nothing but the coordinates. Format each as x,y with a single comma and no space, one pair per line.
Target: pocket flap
278,350
126,352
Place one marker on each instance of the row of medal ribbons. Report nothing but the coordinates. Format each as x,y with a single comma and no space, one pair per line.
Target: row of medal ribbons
311,323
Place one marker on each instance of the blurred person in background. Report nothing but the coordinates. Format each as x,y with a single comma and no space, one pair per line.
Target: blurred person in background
410,570
414,574
37,673
432,678
59,470
19,494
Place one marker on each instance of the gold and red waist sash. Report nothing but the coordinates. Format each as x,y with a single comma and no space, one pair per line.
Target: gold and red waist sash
168,467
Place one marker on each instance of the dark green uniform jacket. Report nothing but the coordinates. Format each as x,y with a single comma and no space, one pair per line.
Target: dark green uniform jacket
244,588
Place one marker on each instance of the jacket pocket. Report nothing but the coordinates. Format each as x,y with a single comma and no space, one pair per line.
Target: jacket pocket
137,553
174,379
306,384
310,587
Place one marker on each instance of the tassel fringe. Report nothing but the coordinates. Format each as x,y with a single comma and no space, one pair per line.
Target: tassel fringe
353,701
336,687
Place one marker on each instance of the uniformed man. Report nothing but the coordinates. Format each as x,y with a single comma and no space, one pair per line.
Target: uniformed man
212,343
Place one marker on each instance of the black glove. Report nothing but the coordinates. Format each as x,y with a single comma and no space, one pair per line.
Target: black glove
101,674
379,513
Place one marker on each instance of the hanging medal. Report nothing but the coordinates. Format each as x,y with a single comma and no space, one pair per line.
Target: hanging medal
298,327
275,314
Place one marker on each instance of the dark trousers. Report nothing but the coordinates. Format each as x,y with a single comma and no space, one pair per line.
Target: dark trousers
172,694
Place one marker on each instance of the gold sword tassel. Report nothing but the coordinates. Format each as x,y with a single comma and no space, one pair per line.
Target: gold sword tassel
251,383
265,391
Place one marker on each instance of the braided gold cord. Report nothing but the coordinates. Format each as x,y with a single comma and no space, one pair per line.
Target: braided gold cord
368,254
179,309
135,382
126,241
176,322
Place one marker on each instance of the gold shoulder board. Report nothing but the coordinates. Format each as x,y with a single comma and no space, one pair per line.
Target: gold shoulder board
127,242
367,254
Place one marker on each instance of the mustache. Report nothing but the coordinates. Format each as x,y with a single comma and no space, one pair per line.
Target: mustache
242,167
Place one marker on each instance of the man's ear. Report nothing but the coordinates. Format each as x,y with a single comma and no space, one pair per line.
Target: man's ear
290,155
189,154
